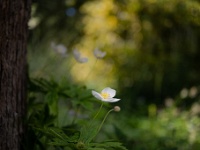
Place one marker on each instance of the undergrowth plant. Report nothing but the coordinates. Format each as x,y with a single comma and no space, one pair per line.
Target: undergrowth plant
64,116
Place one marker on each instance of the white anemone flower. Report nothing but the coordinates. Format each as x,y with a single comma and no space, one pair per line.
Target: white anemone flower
106,95
60,48
98,53
78,57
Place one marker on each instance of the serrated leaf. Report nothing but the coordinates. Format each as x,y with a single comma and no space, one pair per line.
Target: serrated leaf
75,137
88,132
58,136
58,133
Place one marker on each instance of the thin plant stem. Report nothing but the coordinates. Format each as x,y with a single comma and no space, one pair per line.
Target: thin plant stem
70,70
104,119
98,111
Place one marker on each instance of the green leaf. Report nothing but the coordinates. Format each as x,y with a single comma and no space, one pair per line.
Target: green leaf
52,100
107,145
88,132
58,143
58,136
51,97
96,148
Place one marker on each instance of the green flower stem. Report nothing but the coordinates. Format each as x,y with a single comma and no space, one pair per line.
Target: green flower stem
104,119
98,111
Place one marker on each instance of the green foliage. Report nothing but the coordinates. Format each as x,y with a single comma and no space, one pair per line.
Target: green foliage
59,138
87,137
161,50
44,128
152,53
170,128
107,146
167,128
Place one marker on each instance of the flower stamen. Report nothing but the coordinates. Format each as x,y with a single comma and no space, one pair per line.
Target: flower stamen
105,95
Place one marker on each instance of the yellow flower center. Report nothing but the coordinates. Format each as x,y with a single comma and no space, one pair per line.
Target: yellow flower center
105,95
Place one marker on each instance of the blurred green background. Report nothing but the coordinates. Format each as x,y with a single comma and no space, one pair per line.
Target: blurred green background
153,61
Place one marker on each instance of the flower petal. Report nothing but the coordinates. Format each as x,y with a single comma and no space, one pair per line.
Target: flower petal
112,100
82,60
97,95
110,91
76,53
98,53
77,56
59,48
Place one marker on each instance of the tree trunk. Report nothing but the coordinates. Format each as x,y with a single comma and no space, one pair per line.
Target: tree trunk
14,15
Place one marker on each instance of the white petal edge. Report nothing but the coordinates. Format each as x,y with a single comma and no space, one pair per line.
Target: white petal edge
110,91
112,100
97,95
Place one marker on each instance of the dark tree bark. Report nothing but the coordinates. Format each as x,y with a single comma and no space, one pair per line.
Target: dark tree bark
14,15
